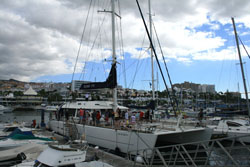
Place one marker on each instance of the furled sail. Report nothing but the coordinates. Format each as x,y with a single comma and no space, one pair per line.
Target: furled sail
111,81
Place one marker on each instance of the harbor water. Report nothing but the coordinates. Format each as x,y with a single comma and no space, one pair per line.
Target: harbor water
24,117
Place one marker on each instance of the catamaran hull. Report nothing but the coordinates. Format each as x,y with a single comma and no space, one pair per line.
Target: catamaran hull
189,136
125,141
118,140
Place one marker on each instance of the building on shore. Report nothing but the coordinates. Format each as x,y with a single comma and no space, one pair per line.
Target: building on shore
198,88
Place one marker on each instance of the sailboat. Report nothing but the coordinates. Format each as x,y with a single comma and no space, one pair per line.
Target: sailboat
235,127
124,140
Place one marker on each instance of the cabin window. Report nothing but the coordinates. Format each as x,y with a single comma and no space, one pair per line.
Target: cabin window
233,124
79,103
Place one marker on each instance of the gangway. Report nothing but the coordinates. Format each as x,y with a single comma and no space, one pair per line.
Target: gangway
229,151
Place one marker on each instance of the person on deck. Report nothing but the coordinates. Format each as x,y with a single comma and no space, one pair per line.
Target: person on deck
33,123
84,117
98,117
126,118
151,113
137,116
147,115
141,116
94,117
133,119
87,117
200,115
106,116
117,117
81,112
112,116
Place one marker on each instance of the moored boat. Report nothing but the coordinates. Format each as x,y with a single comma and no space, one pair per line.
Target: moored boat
65,155
231,128
119,138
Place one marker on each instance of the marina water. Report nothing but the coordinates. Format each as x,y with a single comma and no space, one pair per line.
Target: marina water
24,116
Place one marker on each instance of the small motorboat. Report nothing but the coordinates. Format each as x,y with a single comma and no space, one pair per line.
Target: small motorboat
65,155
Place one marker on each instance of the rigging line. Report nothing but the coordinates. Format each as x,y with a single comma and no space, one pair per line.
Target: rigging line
132,82
237,74
170,81
230,74
118,50
83,31
244,46
136,69
247,77
122,48
230,70
103,64
88,41
92,69
132,65
92,46
157,60
101,46
91,24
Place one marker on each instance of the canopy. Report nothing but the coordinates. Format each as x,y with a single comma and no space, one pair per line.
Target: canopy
30,91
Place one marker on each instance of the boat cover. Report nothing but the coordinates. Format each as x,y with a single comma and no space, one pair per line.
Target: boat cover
17,134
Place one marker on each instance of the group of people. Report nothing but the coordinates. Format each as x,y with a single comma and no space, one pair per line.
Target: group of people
86,117
114,118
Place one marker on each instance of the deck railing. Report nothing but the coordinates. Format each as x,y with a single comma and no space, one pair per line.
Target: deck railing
230,152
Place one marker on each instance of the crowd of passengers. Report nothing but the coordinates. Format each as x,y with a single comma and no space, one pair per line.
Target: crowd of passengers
109,117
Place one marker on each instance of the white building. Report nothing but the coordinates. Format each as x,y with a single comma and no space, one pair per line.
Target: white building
207,88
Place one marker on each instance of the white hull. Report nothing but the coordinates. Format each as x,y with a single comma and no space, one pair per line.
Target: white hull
63,155
240,128
122,139
6,144
246,137
127,141
4,109
30,150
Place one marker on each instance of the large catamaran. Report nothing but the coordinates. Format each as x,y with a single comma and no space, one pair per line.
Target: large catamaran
140,137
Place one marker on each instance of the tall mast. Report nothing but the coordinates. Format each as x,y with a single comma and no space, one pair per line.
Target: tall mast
151,51
113,48
241,66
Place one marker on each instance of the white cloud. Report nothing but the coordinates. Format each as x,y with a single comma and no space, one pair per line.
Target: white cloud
228,53
42,37
215,26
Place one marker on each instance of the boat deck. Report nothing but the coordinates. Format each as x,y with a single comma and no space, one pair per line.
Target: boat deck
111,159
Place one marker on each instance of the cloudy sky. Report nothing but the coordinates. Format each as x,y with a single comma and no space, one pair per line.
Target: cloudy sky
40,39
